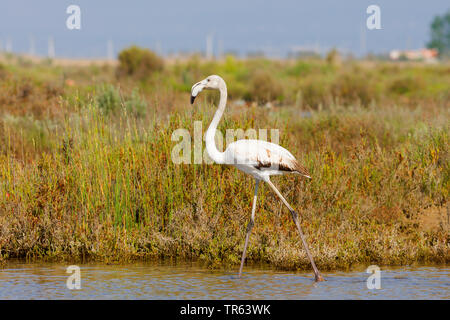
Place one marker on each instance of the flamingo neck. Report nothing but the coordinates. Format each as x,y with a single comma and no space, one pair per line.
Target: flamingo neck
211,148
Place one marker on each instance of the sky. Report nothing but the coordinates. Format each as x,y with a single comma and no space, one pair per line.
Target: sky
239,26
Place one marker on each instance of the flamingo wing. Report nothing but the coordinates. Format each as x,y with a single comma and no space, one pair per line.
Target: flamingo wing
263,155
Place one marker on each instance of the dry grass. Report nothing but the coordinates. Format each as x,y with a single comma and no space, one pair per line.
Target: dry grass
80,182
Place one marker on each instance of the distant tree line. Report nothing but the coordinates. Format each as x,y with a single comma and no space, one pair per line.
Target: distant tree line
440,34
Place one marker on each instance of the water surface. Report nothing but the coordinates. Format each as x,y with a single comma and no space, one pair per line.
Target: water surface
187,281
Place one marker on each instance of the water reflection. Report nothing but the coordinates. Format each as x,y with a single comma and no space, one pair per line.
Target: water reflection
186,281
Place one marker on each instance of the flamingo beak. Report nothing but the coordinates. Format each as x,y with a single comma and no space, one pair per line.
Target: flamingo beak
196,89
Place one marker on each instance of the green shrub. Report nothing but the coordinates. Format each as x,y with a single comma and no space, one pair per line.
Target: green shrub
406,84
138,63
301,68
352,88
264,88
109,100
314,93
334,58
3,72
135,104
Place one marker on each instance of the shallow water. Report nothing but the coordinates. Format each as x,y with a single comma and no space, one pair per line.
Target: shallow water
187,281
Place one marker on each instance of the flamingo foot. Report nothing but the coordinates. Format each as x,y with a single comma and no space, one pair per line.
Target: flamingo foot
318,278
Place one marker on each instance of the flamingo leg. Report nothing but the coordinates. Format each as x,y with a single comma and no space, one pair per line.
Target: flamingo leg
249,227
318,276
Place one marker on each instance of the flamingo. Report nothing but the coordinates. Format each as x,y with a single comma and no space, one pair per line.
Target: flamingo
258,158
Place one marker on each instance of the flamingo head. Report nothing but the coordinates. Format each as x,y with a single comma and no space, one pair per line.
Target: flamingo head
211,82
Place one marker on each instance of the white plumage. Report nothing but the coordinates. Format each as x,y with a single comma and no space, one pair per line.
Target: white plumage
260,159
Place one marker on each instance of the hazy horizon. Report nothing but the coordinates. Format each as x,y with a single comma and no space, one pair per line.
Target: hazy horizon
237,26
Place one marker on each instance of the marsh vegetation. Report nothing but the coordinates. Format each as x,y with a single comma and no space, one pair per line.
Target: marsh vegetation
86,170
